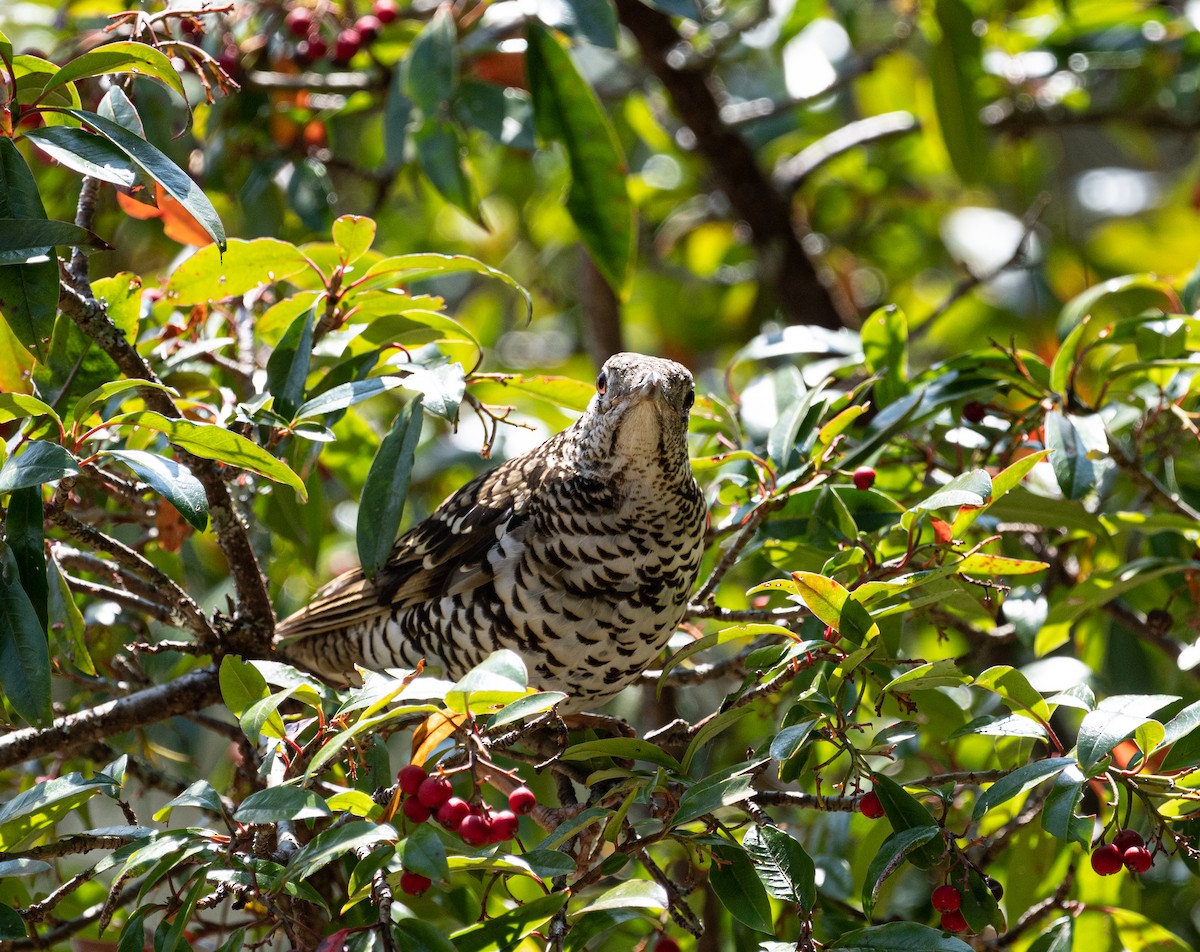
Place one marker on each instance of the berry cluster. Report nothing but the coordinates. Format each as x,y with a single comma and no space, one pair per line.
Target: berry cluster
313,45
476,823
1127,850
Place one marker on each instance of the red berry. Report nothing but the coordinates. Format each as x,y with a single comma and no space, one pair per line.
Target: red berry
954,921
451,813
973,411
1138,859
522,801
864,477
348,42
666,944
434,791
415,810
385,10
1106,860
299,21
946,899
1127,840
870,807
995,886
411,778
474,830
368,27
502,827
414,883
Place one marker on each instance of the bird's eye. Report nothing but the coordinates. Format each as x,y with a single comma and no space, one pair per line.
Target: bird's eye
602,383
689,399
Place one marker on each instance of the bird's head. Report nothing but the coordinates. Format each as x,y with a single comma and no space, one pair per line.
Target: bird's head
639,411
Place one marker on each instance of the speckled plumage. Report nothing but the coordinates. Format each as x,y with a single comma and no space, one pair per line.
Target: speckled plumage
579,555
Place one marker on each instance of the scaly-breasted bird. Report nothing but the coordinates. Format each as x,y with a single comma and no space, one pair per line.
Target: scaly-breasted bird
579,555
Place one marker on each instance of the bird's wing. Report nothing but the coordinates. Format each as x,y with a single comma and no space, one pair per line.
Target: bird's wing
445,554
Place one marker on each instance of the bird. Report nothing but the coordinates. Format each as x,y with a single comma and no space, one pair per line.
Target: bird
579,555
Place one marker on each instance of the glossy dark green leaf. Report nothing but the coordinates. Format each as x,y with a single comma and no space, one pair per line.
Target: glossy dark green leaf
786,870
431,70
424,853
24,651
624,748
885,351
1113,720
200,794
281,803
417,935
1075,473
1058,813
440,153
594,21
40,462
1060,937
1020,780
156,165
23,240
905,812
505,114
287,367
120,57
346,395
336,842
953,70
386,488
972,488
891,854
898,937
24,535
727,787
171,480
734,880
86,153
566,110
979,906
117,106
133,936
29,291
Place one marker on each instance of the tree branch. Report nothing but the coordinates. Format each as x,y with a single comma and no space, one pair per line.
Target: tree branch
786,267
184,695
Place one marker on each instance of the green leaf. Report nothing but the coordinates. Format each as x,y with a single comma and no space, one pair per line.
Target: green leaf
201,794
24,535
45,803
972,488
335,843
953,70
23,240
28,292
833,604
346,395
424,853
67,628
82,408
287,367
133,936
1137,933
209,441
215,275
631,894
440,152
1015,689
116,106
156,165
623,748
1113,300
354,234
40,462
241,684
1017,782
506,931
733,879
1074,471
905,812
1060,937
891,854
171,480
24,651
719,790
17,406
786,870
898,937
120,57
566,110
926,677
386,488
1115,719
389,272
885,352
431,68
281,803
417,935
525,707
1058,813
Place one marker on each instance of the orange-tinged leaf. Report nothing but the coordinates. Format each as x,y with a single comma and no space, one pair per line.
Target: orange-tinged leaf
135,209
437,727
942,531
